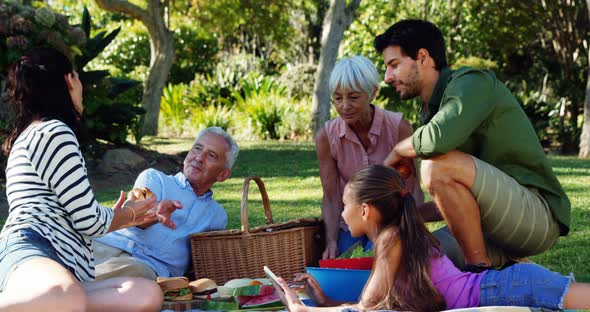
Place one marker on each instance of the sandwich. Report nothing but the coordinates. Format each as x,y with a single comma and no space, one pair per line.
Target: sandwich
204,288
175,288
142,193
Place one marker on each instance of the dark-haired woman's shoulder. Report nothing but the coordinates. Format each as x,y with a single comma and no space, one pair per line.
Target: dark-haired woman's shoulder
39,129
48,126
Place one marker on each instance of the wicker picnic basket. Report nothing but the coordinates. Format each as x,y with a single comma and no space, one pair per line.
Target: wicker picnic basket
287,248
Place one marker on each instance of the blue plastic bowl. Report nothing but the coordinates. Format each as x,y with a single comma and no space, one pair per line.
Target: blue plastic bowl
341,284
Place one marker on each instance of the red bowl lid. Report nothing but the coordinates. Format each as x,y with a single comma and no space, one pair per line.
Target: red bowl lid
365,263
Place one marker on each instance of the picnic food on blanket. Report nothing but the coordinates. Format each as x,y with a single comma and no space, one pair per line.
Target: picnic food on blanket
251,293
205,288
259,296
175,288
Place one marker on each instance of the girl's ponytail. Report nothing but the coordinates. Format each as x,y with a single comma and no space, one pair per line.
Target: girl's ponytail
419,247
410,287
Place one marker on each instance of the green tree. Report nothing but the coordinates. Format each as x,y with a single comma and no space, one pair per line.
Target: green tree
155,17
259,27
537,45
585,137
339,17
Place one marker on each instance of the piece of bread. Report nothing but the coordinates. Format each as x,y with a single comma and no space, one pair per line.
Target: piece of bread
142,193
204,288
175,288
172,283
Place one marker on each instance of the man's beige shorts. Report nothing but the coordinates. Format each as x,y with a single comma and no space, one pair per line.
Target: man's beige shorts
113,262
516,220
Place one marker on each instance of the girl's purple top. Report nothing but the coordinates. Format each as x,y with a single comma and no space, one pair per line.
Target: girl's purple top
460,289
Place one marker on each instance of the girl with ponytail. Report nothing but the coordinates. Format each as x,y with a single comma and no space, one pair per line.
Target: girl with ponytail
410,273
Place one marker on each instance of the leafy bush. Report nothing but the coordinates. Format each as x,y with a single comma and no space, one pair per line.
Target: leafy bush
475,62
132,50
265,103
129,50
212,116
541,108
296,123
299,80
23,27
110,113
195,53
216,89
266,115
256,84
172,107
108,116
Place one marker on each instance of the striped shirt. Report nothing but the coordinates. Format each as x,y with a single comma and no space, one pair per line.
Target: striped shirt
48,191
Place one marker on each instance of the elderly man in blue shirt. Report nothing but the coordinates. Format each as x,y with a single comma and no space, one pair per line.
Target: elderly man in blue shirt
152,249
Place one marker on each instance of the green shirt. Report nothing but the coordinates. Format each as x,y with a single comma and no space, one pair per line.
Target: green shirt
473,112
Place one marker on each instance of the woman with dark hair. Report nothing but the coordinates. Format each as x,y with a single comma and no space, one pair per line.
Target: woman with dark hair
410,273
46,256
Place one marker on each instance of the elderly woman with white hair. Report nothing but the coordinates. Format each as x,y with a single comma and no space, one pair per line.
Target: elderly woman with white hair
363,135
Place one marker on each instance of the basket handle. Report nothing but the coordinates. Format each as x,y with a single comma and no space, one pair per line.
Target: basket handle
244,202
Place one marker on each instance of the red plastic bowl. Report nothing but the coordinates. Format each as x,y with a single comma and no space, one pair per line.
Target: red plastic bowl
351,263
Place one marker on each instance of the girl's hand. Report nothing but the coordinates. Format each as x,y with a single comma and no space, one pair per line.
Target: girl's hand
313,289
289,297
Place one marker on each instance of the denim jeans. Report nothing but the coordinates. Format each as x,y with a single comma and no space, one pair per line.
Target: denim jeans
20,246
524,284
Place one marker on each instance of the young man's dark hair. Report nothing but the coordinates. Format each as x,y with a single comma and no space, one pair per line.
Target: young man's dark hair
412,35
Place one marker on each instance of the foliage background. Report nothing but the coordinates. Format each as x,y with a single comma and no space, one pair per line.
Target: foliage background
280,40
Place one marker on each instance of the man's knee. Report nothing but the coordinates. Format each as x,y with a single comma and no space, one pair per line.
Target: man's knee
451,167
434,173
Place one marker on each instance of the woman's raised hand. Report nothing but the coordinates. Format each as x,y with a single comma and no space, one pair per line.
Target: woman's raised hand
161,212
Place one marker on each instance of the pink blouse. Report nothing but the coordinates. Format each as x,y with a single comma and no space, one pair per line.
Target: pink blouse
349,153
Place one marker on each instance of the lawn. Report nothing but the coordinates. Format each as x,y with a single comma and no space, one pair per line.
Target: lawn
290,173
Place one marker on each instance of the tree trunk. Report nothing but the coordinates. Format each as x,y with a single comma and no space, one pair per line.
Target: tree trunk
585,138
337,20
161,59
161,56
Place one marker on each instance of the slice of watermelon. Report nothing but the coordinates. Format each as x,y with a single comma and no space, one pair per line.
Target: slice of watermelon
264,301
254,290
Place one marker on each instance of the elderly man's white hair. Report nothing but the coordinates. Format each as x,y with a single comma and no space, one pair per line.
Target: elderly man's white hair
234,149
355,73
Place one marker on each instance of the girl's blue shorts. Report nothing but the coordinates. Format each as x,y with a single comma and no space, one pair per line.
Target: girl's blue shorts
524,284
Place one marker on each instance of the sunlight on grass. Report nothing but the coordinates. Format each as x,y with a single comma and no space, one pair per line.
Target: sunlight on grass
572,252
291,176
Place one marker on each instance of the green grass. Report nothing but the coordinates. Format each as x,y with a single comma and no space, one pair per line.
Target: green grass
572,253
290,173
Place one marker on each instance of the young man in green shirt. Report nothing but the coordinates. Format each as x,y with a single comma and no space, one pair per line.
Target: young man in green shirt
482,161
